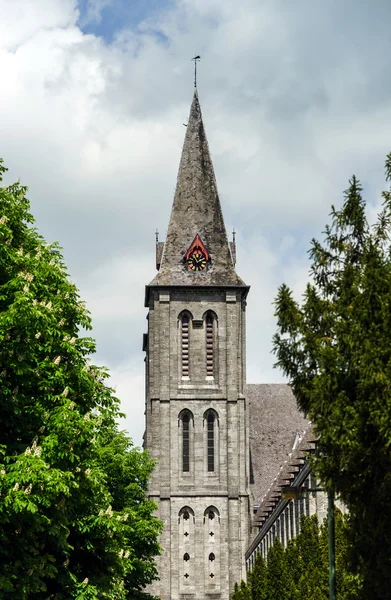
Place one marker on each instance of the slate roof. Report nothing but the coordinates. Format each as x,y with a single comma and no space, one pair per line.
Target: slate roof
196,209
294,470
275,422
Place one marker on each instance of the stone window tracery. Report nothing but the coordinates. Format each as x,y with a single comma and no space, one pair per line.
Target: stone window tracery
212,549
186,522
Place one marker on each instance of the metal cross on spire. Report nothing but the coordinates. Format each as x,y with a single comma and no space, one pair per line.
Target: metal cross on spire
198,57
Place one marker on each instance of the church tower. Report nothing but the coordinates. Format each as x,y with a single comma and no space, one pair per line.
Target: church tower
196,412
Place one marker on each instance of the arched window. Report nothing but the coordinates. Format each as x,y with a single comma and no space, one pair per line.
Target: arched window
186,547
209,346
211,441
186,442
212,549
185,344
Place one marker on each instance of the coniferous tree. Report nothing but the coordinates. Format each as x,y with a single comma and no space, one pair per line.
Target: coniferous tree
74,518
258,579
236,593
308,544
277,581
294,566
347,584
245,591
301,571
336,350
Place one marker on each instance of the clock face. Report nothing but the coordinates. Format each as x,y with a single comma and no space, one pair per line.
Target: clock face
197,261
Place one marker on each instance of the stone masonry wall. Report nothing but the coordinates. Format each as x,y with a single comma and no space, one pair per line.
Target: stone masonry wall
206,514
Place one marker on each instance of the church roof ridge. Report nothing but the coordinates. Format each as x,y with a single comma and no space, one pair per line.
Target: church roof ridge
196,209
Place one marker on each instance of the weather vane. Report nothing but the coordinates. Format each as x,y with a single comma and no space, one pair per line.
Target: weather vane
198,57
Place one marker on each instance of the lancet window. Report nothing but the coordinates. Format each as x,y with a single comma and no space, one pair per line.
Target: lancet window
210,420
186,441
212,548
186,549
185,345
211,338
211,442
209,346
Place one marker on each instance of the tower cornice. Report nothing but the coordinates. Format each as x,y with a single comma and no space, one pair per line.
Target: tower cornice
244,289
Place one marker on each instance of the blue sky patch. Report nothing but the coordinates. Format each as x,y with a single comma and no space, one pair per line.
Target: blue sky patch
106,18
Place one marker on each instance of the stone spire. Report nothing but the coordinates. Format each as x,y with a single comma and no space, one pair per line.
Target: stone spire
196,210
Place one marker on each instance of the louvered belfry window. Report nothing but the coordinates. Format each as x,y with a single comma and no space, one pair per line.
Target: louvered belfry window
211,441
185,346
186,443
209,346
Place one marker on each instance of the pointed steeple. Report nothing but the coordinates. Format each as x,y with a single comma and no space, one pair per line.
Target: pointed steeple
196,210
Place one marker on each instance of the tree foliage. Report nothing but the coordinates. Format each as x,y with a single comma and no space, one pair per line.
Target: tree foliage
257,579
277,576
236,593
336,349
312,582
74,518
300,571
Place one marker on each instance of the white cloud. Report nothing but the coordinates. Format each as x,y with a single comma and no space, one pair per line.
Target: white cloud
111,293
22,20
93,11
128,380
293,105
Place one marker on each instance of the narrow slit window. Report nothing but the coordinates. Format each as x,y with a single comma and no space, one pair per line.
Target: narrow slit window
186,443
211,441
209,346
185,346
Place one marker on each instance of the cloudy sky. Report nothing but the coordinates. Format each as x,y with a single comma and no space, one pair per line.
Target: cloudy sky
296,97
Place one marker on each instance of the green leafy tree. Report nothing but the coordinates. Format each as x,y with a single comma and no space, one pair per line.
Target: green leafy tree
128,472
336,349
65,531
